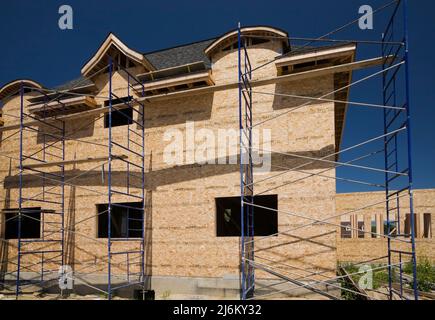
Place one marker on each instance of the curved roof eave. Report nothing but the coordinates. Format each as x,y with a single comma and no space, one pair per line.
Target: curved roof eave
14,86
279,34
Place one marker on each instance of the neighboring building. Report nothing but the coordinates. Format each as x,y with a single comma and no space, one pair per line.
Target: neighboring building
191,243
355,246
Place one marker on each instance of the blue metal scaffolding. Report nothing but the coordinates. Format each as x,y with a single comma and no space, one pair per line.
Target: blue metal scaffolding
49,248
246,169
397,152
397,145
397,155
128,146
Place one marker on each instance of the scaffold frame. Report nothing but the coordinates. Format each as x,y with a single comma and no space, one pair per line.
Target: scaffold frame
395,55
61,273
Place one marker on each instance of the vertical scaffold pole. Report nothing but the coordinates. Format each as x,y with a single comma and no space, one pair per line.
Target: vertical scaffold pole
62,234
20,192
242,213
409,138
109,182
387,187
143,193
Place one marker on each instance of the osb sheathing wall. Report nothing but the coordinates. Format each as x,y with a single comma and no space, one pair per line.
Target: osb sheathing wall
368,248
180,210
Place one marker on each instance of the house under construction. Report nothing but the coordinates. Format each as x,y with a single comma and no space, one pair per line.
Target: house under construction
87,191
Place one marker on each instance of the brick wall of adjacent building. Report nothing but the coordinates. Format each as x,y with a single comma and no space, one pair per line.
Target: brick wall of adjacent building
368,246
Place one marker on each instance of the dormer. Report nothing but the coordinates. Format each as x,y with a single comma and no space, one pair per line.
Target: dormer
253,36
13,88
122,57
11,91
79,96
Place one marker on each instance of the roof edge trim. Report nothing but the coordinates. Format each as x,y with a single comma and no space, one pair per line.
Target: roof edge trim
114,40
228,35
14,86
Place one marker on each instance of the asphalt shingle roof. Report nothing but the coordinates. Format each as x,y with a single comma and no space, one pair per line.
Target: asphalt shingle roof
78,82
161,59
177,56
181,55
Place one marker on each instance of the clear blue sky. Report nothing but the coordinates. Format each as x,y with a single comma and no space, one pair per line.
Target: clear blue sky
34,47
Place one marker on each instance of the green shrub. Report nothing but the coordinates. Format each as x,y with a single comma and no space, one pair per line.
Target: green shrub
425,274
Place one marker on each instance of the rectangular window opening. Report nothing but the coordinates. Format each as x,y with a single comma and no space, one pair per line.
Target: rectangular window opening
427,220
408,225
120,117
30,223
346,229
374,227
126,220
228,216
361,227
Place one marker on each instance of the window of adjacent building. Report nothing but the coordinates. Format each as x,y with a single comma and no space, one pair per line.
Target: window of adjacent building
361,227
408,224
374,227
126,220
346,228
30,223
228,216
121,117
427,221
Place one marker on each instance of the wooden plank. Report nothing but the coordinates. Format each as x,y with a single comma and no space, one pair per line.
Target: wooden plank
87,113
179,80
57,106
77,161
410,292
347,67
83,114
321,53
24,210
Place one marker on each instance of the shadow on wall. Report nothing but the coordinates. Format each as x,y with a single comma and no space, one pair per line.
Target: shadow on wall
167,176
284,102
306,263
73,130
4,245
161,114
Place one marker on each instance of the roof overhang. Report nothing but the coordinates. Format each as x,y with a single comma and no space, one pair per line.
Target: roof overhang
316,54
13,87
64,93
172,72
64,106
257,31
183,81
98,59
